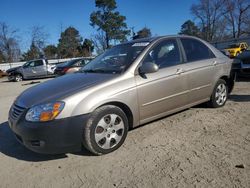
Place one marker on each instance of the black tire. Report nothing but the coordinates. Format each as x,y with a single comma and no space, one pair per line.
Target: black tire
102,116
18,78
213,103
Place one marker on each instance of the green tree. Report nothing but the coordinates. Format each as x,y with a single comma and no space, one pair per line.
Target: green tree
109,21
50,51
32,53
143,33
69,43
189,28
87,48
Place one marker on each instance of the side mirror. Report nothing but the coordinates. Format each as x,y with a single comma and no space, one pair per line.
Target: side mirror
148,67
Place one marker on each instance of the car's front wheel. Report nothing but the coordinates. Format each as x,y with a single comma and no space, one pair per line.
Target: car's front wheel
106,130
219,95
18,78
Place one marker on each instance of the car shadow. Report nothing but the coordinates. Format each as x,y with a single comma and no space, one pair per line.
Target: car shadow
239,98
5,81
11,147
31,83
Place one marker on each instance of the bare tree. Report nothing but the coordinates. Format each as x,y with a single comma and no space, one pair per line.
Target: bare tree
237,13
99,42
39,37
9,46
209,13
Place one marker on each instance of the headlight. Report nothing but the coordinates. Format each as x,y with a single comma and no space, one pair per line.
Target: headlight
44,112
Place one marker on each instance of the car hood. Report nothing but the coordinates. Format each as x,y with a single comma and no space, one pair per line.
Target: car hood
59,88
13,69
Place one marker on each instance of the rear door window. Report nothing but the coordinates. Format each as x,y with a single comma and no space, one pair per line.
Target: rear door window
38,63
196,50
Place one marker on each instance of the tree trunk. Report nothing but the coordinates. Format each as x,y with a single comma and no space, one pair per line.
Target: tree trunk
107,41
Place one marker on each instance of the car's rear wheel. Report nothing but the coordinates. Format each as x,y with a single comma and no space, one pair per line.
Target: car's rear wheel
219,95
106,130
18,78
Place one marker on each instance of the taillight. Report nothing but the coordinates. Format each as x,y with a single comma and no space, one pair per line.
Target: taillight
65,70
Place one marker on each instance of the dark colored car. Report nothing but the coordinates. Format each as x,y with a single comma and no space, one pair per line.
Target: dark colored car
241,64
71,66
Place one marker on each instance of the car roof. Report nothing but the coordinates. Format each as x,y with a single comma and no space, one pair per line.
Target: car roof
151,39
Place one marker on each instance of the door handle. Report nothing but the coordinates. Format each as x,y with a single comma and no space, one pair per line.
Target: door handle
179,71
215,63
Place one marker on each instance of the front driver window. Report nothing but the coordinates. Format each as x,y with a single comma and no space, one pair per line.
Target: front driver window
164,54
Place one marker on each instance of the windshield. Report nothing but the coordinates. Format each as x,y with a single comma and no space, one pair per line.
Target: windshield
26,64
115,60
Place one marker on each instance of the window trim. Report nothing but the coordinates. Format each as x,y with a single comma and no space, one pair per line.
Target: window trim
157,43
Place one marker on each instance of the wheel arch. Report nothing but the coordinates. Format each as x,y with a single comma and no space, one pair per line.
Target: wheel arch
125,109
17,72
230,82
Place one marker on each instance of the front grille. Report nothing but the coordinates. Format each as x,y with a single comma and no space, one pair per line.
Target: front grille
16,111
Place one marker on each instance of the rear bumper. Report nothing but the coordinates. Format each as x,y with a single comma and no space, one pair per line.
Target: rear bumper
241,69
244,70
58,72
53,137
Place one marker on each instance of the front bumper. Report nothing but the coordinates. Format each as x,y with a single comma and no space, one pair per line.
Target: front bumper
53,137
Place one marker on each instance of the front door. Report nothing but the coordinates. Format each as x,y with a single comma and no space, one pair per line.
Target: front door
166,89
27,69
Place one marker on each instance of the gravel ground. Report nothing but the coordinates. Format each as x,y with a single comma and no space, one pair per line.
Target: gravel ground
198,147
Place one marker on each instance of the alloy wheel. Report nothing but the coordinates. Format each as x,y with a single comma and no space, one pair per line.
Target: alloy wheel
109,131
221,94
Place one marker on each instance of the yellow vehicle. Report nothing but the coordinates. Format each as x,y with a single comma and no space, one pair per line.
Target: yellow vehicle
235,49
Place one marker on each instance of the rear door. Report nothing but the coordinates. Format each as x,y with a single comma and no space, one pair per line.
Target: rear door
166,89
201,69
40,68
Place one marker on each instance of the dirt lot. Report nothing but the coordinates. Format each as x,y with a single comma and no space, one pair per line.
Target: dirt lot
198,147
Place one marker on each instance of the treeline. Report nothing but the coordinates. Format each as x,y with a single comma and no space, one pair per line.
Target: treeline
213,20
216,20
